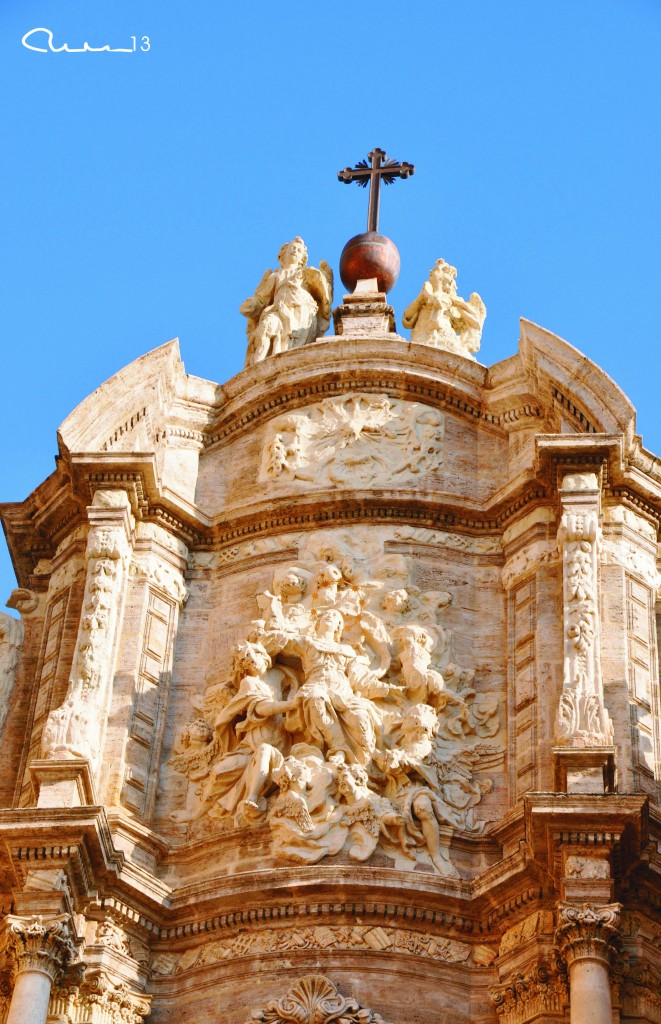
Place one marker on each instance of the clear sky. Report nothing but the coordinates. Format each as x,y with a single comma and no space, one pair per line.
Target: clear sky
144,194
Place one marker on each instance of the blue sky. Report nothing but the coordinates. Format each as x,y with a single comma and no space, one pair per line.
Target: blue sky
144,194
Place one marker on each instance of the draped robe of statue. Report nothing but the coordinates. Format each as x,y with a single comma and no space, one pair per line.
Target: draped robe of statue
328,710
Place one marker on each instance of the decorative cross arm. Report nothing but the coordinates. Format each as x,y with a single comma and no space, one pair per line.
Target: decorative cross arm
379,168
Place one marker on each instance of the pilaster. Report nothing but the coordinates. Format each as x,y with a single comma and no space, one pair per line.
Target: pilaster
76,728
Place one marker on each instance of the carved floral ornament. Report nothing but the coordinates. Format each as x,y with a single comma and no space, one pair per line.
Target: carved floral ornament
314,1000
344,724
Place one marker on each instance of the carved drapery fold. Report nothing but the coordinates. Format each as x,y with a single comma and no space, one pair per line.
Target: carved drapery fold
582,719
313,999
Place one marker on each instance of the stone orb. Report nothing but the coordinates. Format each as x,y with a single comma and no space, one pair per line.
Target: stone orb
370,255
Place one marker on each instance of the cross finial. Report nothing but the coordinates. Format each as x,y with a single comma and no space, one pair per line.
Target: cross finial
379,167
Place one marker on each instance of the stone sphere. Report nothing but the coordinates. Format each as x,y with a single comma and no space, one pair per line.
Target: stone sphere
369,255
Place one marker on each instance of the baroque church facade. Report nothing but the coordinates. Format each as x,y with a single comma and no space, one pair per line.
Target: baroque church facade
334,697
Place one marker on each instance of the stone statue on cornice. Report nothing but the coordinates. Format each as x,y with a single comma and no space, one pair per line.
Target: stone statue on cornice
291,305
442,319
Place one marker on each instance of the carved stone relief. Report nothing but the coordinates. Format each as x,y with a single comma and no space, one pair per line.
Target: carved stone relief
344,724
314,1000
532,994
354,439
539,923
158,574
325,937
74,729
587,867
452,541
582,719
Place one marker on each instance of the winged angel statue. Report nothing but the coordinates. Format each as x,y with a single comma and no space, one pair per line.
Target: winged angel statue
344,724
442,319
291,305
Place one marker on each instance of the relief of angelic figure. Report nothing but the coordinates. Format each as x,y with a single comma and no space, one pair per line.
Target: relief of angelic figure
291,305
441,318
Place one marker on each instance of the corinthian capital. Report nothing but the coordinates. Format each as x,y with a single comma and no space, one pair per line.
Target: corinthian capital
587,932
40,944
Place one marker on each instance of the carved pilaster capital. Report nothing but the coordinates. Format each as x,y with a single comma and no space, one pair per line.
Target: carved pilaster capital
39,944
527,994
587,932
112,998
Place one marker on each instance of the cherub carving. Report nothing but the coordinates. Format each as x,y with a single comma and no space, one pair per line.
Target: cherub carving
291,305
306,825
368,816
441,318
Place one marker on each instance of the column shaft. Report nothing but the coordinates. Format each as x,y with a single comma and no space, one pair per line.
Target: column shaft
30,998
589,992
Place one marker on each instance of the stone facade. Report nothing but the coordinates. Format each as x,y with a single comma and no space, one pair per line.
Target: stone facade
335,693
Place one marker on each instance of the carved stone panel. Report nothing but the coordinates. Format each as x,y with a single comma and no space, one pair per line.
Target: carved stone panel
344,723
354,440
582,719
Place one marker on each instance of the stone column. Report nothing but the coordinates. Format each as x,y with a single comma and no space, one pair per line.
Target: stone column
76,729
42,950
585,934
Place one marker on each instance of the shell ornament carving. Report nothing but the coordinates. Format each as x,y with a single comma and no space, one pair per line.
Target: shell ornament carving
314,999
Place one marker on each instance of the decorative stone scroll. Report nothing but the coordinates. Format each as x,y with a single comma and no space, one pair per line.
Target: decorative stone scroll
587,932
354,439
343,723
582,719
75,728
314,1000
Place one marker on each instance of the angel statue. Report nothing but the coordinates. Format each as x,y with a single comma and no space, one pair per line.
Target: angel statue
290,307
441,318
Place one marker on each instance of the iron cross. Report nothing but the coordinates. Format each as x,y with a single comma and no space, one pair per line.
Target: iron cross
372,173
